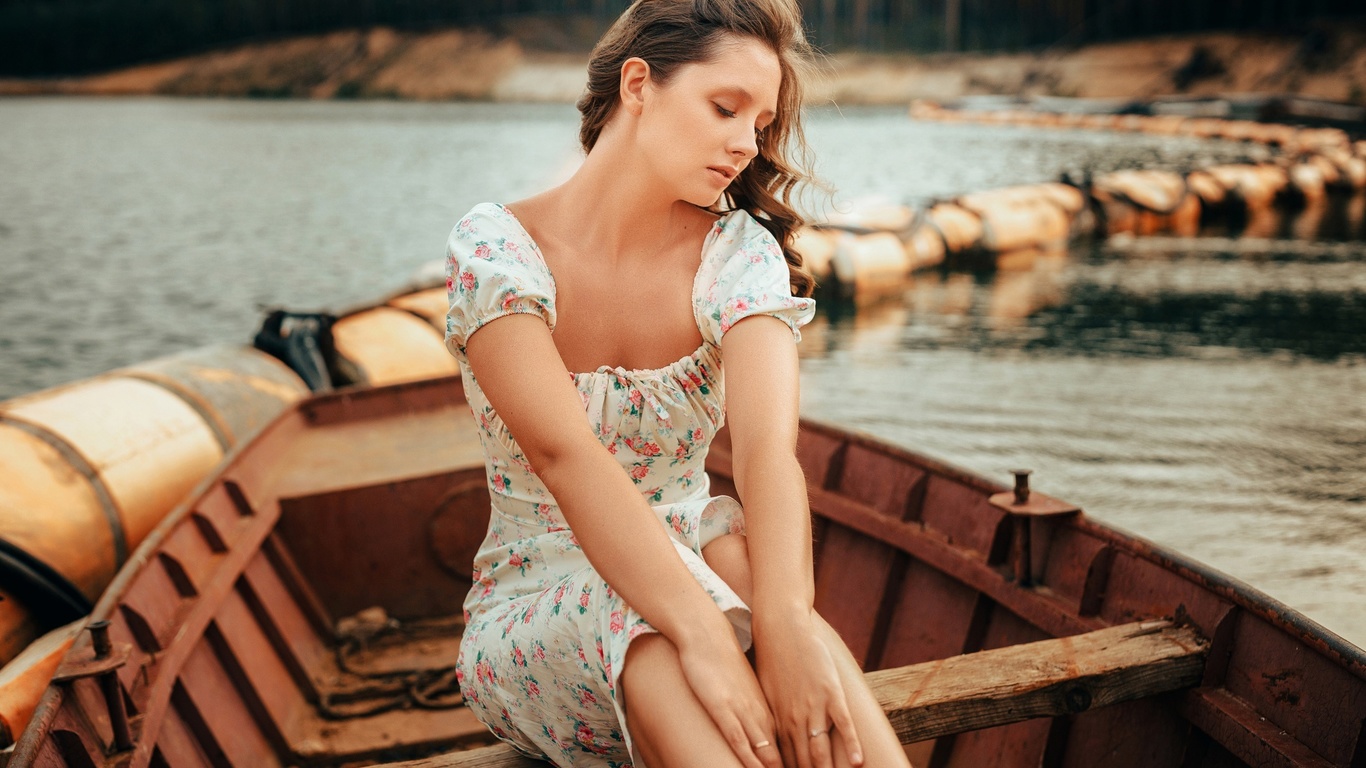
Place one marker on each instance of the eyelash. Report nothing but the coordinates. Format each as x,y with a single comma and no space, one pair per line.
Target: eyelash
727,113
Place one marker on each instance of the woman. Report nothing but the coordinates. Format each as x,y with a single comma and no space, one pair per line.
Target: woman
614,598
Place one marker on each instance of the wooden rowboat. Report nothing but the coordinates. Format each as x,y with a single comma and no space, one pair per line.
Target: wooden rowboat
302,608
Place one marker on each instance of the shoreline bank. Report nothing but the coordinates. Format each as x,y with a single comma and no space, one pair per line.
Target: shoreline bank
465,64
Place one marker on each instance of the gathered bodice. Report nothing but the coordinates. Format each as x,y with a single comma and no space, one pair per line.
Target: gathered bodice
657,423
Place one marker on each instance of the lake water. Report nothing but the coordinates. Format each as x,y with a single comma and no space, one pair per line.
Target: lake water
1209,399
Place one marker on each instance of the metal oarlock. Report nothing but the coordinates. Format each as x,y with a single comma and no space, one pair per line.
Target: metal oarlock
1032,518
102,663
1022,484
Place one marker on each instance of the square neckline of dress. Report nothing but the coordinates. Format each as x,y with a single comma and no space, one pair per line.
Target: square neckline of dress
693,356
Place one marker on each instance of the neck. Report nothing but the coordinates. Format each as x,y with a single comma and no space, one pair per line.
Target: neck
616,206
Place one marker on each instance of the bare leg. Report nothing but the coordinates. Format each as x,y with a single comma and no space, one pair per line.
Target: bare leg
667,722
728,556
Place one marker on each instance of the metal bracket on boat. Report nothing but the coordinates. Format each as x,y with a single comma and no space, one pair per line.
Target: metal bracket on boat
1034,516
102,661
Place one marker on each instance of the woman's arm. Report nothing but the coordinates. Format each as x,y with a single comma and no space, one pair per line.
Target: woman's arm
796,670
760,361
532,391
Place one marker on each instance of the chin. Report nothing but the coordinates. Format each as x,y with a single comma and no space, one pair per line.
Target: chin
704,198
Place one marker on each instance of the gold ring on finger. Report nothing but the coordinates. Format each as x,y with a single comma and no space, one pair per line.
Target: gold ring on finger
815,732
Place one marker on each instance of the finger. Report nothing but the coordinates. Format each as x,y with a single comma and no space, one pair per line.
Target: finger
789,749
740,744
801,745
819,741
765,744
762,743
768,753
844,723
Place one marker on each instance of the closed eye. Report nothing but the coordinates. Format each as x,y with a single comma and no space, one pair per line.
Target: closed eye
727,113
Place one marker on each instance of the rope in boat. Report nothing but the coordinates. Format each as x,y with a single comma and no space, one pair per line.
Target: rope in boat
387,690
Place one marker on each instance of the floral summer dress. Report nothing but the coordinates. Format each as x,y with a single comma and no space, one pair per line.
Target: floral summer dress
545,636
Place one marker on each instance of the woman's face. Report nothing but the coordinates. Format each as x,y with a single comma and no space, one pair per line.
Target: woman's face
700,129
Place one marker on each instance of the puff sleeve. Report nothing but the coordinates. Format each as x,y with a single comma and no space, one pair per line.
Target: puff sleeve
492,270
747,276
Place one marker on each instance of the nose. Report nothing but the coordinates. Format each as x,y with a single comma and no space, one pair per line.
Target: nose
744,143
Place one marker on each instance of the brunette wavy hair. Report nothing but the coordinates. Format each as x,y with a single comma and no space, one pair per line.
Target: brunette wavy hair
670,33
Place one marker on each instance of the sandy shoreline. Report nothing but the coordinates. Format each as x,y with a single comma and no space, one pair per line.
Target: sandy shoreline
460,64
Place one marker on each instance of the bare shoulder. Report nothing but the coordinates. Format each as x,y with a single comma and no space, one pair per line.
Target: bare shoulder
530,207
545,218
530,211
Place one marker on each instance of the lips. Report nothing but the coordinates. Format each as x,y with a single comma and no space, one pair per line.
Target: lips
726,172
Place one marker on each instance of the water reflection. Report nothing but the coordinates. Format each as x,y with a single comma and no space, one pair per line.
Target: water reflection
1334,217
1102,301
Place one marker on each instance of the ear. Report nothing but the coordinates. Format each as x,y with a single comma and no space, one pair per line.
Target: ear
635,77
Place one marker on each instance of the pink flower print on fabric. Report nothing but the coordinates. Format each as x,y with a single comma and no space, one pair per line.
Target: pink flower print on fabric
642,446
589,740
511,247
586,697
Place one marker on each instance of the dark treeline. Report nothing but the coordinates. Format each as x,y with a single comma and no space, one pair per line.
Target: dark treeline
50,37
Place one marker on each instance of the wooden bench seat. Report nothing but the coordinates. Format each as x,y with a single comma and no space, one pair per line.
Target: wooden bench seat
1064,676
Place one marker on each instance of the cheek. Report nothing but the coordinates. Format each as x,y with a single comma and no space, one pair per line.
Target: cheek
668,130
668,148
679,140
692,127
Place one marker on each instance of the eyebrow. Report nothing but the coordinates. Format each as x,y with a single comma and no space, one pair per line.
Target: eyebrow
747,96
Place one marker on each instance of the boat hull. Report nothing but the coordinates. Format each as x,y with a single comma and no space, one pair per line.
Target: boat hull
370,503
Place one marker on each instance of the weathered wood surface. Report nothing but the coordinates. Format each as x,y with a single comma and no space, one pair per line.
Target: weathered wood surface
990,688
1249,736
1063,676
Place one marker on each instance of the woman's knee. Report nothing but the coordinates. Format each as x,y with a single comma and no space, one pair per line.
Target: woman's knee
728,557
667,722
646,657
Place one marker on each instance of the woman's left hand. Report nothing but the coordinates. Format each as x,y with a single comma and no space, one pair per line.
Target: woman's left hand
804,692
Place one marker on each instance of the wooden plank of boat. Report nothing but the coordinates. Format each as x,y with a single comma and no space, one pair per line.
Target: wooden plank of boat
1049,678
229,611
